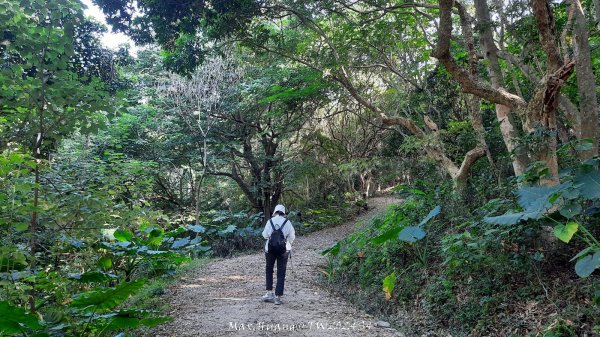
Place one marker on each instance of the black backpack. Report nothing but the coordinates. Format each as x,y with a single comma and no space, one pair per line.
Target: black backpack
277,240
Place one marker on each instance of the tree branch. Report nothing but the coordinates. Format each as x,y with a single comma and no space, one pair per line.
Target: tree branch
463,77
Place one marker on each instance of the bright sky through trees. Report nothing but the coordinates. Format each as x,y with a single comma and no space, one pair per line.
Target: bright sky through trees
109,39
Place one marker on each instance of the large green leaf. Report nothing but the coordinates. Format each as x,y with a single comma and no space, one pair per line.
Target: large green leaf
15,320
585,144
179,243
571,209
411,234
11,259
197,228
585,251
122,322
387,235
434,212
389,282
228,230
565,232
174,233
333,250
155,237
590,184
123,235
106,299
586,266
92,277
21,226
505,219
535,200
105,262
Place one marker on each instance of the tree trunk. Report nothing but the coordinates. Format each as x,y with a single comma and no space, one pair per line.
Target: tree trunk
540,121
34,222
510,135
540,112
540,115
474,102
460,174
597,12
587,119
503,113
200,180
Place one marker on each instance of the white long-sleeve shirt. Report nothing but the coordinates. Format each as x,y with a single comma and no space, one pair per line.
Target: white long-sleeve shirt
288,231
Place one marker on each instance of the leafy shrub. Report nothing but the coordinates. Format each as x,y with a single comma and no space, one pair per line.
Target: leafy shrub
385,247
228,232
568,206
90,313
467,273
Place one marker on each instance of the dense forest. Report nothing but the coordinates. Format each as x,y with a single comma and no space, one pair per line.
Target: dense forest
121,169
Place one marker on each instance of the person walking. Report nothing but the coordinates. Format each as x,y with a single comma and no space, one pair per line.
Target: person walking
280,235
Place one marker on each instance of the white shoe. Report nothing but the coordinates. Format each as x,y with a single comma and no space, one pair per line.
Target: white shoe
268,297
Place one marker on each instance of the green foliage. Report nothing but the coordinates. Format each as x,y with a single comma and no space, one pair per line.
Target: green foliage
473,268
12,259
150,248
589,184
535,201
150,296
389,282
587,263
411,234
223,233
120,199
92,314
93,277
567,199
372,255
55,197
14,320
307,84
42,90
106,299
565,232
560,328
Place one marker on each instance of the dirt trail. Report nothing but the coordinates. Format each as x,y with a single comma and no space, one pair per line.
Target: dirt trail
223,297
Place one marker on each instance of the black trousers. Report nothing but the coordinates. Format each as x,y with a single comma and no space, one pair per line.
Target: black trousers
281,267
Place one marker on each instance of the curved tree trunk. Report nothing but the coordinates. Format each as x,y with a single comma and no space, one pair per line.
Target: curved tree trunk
540,113
460,174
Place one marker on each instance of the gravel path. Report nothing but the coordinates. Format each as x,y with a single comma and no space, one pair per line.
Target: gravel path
223,297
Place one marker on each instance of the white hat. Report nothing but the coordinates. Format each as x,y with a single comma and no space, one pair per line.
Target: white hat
279,208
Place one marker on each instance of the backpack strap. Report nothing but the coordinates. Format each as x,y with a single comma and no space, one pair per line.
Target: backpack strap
286,220
273,226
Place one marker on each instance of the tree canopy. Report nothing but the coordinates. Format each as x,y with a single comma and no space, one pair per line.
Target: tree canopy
118,169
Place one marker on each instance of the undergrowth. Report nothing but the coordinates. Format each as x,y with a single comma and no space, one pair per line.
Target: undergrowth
465,276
